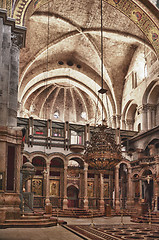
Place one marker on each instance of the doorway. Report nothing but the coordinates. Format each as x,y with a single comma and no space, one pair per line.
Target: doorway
72,195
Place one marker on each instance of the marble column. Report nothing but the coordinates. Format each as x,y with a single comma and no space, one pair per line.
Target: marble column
155,193
28,186
48,205
143,110
140,182
49,132
129,192
65,201
149,117
118,117
96,190
14,77
101,202
87,134
117,203
31,131
10,136
5,43
113,121
80,190
154,116
85,201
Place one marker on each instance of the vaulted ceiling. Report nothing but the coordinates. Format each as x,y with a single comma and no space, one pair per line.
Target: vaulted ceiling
60,66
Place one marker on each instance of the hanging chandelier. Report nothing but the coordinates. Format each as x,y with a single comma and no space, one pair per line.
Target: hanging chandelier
102,152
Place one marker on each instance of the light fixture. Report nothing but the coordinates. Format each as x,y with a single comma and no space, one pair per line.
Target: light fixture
102,152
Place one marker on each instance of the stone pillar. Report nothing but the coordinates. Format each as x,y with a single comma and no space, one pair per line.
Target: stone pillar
149,118
80,190
154,116
10,138
101,202
117,136
140,182
118,117
10,155
49,132
87,134
14,77
96,189
66,130
155,194
48,205
117,203
129,193
65,201
28,186
85,201
143,111
113,120
31,131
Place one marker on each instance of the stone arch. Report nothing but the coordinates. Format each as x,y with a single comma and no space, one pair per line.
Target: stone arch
38,154
78,159
152,147
57,155
39,161
73,184
153,95
130,116
56,162
128,8
153,104
147,91
124,161
141,173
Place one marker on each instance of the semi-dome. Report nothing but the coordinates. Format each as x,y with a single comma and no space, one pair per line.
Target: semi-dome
60,101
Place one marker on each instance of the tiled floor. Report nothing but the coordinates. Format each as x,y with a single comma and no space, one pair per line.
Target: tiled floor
57,232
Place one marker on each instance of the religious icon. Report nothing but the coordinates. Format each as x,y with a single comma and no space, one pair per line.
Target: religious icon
106,190
90,189
54,187
37,186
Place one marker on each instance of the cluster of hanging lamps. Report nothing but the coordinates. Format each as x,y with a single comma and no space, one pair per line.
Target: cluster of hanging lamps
102,152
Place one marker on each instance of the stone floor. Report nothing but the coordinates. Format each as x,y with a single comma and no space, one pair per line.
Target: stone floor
57,232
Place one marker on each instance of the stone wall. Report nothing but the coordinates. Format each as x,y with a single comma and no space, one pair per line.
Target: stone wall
11,40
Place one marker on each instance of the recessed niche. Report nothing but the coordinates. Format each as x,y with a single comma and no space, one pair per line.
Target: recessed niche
60,62
78,66
69,63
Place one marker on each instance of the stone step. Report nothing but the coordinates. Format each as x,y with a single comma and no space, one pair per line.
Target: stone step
28,220
27,224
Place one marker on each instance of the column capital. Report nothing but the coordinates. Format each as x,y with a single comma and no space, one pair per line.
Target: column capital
17,40
85,166
117,167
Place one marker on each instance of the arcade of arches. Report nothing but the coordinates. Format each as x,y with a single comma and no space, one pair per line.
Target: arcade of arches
50,75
